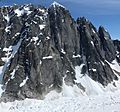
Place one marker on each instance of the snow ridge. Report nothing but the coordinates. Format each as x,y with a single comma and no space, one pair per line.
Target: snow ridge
54,4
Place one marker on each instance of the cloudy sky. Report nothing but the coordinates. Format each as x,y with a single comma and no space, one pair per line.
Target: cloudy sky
100,12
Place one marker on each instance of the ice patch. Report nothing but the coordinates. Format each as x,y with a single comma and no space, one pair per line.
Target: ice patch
27,10
34,22
63,20
92,43
76,56
103,63
12,74
40,62
7,54
47,37
42,26
7,49
62,51
48,57
67,71
24,82
19,12
93,30
42,10
93,69
23,11
41,33
17,34
7,29
7,18
35,39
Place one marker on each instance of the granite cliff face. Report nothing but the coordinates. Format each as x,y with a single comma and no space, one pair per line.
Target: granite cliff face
41,49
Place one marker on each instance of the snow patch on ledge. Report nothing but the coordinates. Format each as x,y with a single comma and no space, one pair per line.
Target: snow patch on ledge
42,26
12,74
76,56
23,11
93,30
62,51
48,57
19,12
7,18
24,82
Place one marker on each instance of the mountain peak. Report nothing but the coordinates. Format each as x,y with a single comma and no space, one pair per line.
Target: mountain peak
42,50
54,4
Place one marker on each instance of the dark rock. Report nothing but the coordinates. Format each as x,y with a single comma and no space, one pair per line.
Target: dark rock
117,46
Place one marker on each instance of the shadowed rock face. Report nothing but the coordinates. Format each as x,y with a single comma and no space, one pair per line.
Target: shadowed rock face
117,46
40,47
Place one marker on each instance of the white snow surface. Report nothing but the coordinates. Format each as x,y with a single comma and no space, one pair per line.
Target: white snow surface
42,26
7,18
35,39
48,57
24,82
7,29
21,12
57,4
76,56
62,51
93,30
109,102
12,74
91,87
92,43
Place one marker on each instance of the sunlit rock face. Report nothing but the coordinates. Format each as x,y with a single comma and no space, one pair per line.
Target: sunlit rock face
41,48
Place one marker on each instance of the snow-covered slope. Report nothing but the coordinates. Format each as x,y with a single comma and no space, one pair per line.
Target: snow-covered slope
109,102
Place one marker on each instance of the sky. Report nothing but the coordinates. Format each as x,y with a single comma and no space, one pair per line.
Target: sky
99,12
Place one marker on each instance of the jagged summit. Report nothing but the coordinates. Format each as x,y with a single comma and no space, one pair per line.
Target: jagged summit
54,4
